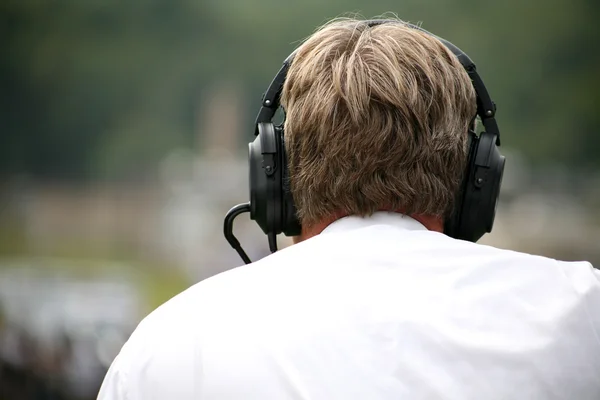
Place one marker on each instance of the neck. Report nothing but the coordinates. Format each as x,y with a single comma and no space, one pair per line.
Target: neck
432,223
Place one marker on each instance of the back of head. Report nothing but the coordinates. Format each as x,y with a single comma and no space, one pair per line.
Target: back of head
376,119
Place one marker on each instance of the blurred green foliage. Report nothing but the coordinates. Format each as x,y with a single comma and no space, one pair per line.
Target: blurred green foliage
103,89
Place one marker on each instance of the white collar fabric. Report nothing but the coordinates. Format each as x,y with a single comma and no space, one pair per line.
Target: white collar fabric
379,218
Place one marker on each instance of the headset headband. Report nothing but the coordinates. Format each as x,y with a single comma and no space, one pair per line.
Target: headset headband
486,109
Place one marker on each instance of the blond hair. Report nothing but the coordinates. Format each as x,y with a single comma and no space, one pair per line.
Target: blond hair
376,119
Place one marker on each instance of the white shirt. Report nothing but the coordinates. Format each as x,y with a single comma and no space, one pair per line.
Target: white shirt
373,308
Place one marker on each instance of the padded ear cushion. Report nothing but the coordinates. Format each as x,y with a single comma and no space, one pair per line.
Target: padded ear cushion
476,203
452,223
291,225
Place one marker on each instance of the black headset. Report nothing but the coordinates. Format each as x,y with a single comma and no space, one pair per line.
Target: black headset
271,204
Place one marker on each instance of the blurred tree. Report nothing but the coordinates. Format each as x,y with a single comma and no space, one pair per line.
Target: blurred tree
102,90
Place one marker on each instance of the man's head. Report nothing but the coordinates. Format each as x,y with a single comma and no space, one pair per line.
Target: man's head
376,119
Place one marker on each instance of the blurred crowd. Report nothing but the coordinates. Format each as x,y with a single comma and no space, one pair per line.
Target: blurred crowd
59,333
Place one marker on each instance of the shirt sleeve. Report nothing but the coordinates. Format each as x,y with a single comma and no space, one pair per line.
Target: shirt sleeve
159,361
114,386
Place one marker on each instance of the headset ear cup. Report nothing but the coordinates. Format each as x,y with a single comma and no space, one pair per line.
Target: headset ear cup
271,202
475,208
265,179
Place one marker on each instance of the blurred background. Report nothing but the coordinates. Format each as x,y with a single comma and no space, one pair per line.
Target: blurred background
123,136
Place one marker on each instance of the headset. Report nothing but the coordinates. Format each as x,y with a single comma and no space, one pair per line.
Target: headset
271,204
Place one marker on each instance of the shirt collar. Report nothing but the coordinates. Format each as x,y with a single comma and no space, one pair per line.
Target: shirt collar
379,218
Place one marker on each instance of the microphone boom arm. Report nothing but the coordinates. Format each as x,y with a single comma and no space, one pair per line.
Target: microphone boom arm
228,229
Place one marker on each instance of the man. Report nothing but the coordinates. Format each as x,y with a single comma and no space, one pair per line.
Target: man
374,301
